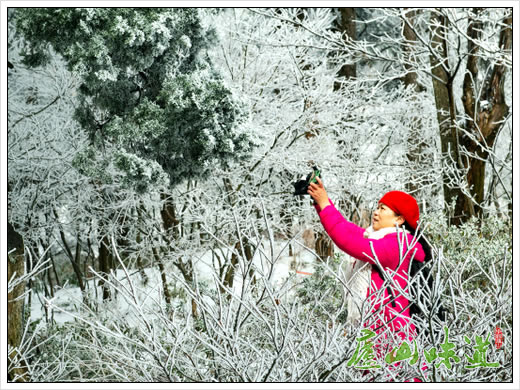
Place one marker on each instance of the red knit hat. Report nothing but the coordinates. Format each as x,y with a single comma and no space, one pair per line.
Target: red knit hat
403,204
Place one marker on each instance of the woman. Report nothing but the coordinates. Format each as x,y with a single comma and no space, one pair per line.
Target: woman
389,250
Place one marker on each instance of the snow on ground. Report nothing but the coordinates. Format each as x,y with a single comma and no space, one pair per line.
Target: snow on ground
150,296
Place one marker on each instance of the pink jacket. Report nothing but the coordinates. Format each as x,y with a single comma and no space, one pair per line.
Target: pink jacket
389,250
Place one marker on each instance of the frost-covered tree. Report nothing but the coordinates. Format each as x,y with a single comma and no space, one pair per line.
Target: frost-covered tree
485,62
467,55
299,115
462,60
43,139
218,308
155,110
356,134
147,89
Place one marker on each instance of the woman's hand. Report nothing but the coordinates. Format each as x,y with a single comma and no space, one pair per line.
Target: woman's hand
318,193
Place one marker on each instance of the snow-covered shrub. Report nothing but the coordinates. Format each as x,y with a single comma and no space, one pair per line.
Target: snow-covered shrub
290,330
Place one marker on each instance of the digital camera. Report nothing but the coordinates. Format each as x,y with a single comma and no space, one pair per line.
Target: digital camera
301,186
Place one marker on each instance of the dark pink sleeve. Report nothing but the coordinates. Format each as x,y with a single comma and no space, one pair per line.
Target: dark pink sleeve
349,237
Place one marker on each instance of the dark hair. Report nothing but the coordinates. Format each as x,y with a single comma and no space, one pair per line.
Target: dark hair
421,240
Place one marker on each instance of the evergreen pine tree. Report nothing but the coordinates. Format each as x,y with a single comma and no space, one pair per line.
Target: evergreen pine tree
149,97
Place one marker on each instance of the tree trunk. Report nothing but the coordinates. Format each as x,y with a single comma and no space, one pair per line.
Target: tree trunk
169,217
416,142
187,272
346,25
483,123
171,227
443,93
75,259
230,273
17,370
105,265
160,264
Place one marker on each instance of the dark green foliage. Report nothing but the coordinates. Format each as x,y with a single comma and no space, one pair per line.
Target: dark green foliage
147,88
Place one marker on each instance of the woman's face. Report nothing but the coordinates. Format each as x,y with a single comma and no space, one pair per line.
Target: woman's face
384,217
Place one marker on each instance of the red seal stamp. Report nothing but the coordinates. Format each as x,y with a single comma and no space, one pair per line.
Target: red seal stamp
499,337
